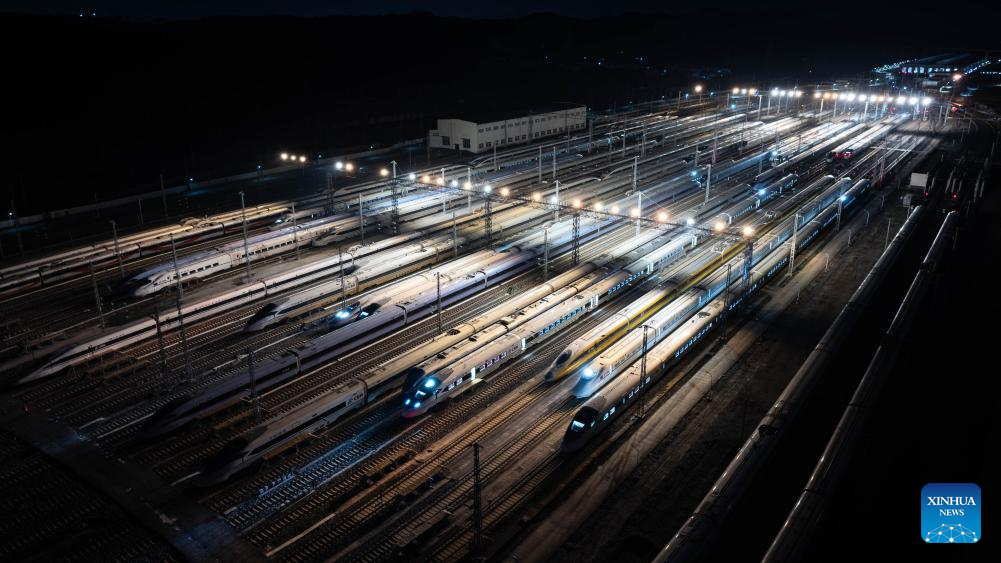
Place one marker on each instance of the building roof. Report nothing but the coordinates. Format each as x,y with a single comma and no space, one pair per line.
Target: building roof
489,116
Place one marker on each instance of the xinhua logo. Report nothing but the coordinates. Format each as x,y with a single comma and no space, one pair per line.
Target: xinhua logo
950,513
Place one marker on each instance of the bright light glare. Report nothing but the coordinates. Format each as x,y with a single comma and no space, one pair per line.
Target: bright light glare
690,221
554,200
466,185
339,165
487,188
816,95
736,91
454,184
913,100
615,209
743,90
505,192
799,94
748,231
349,167
411,176
925,101
956,77
827,95
440,181
536,196
761,192
662,217
384,172
901,99
720,225
634,212
751,91
698,88
284,156
598,206
426,179
302,159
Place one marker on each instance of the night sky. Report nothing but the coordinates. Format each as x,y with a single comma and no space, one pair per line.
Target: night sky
207,88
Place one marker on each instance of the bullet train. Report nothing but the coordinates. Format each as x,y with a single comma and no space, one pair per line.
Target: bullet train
598,337
846,150
482,271
71,264
357,277
253,445
257,443
233,254
121,337
431,382
810,149
598,411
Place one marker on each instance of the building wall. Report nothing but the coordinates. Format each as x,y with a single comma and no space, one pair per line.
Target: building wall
480,137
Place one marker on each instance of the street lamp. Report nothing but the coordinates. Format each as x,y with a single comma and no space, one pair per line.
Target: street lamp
284,156
698,90
505,192
338,165
349,167
384,172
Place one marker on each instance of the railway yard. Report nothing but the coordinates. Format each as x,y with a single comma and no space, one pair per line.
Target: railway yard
548,352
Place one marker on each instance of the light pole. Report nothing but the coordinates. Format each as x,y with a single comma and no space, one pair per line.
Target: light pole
698,90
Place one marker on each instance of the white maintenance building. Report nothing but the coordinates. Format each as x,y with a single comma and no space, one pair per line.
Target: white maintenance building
483,133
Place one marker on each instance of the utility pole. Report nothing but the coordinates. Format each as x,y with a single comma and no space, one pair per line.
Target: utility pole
488,221
177,272
792,249
540,164
576,238
556,213
709,172
361,216
395,214
643,371
97,295
477,502
554,162
295,233
639,211
455,238
545,255
253,385
118,254
340,264
246,246
184,341
636,161
437,276
159,338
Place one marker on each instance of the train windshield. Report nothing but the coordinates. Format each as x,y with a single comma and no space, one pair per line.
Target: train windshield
584,419
564,357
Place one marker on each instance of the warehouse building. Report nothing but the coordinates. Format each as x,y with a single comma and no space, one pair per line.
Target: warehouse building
484,132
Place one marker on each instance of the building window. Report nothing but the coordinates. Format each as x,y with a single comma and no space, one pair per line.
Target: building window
481,145
509,139
488,144
465,143
445,140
